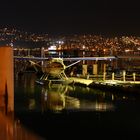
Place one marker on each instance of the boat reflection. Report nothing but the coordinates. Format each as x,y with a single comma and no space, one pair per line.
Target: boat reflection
97,106
59,97
56,99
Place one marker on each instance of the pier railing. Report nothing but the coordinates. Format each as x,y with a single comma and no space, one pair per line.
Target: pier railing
113,76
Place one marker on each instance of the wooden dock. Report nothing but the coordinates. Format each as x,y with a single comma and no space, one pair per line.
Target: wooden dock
118,86
122,87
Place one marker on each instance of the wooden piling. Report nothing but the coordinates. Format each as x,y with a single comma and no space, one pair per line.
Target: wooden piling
6,79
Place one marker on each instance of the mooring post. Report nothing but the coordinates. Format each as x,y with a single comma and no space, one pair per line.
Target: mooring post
113,76
104,76
124,73
134,76
84,70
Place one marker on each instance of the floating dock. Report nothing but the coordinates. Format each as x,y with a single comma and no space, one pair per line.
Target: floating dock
118,86
110,85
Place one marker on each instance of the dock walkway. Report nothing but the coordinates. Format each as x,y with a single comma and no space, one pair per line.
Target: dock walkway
111,85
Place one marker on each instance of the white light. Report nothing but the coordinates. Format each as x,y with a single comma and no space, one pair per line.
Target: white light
52,48
83,46
60,42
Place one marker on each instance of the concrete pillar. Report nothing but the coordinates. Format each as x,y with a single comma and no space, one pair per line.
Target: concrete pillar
6,78
95,69
84,70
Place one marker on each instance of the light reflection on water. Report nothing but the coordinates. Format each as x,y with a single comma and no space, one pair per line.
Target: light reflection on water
76,110
60,97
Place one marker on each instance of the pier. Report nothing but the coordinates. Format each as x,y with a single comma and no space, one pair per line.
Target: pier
12,129
122,83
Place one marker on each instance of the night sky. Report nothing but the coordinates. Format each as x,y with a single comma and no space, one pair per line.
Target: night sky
72,17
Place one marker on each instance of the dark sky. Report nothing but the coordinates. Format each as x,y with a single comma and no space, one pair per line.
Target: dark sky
72,17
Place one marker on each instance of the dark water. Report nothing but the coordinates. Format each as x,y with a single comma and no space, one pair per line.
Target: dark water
74,112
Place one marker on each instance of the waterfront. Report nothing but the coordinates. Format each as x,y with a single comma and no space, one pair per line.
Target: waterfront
75,111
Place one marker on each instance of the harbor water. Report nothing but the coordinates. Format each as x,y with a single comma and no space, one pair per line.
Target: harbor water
75,112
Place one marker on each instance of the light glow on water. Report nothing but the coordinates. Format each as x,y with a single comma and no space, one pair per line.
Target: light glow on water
76,107
59,97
